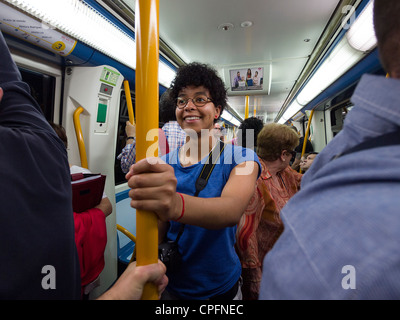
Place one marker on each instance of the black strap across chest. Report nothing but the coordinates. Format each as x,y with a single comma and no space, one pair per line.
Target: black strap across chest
388,139
202,180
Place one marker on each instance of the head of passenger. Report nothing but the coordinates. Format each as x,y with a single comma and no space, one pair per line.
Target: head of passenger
167,108
308,161
60,130
302,160
200,97
219,131
248,131
387,30
276,143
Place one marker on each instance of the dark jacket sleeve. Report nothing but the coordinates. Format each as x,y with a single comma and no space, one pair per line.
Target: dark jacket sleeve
35,195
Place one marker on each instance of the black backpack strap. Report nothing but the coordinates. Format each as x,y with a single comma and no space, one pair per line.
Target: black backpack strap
388,139
202,180
208,167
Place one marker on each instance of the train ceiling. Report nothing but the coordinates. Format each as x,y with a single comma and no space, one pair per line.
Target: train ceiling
279,36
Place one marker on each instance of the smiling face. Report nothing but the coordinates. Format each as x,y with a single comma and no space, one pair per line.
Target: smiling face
194,117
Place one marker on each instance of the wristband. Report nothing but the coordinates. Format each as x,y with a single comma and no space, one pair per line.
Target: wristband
183,207
130,138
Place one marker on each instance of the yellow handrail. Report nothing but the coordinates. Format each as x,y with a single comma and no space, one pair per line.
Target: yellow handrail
79,137
246,111
129,102
130,236
147,55
306,135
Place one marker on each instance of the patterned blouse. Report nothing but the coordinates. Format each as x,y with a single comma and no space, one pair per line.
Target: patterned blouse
261,225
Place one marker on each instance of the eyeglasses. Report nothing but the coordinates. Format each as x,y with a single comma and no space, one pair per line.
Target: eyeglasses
199,101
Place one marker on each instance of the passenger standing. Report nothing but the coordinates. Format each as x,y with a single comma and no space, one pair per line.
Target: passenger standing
261,224
299,149
176,137
342,230
38,256
219,131
249,129
90,231
302,160
35,195
210,267
170,135
128,153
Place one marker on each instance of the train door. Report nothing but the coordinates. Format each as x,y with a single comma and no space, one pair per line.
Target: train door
92,95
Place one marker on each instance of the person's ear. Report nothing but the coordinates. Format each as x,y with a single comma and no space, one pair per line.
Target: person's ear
218,109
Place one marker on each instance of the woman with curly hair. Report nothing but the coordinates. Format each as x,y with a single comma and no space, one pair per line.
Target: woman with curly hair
210,267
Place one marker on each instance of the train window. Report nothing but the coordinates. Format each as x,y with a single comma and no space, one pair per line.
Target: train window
42,89
123,117
337,117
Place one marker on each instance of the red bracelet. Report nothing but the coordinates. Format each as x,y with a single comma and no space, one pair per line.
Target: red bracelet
183,207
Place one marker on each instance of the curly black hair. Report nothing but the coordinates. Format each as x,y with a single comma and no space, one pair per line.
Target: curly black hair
198,74
251,123
167,108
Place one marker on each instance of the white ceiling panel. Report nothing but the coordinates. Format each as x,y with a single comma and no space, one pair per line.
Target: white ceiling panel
284,34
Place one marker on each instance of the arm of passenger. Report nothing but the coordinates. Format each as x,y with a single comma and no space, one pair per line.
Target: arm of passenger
9,71
224,211
248,223
18,107
130,284
105,206
127,156
153,188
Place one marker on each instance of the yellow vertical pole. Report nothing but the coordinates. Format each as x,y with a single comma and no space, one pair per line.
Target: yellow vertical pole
306,134
246,112
129,102
255,108
147,50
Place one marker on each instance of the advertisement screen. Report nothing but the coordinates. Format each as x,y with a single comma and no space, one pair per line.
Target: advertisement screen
246,79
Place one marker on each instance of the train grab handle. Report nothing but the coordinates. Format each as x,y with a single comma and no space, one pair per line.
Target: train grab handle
79,137
129,102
